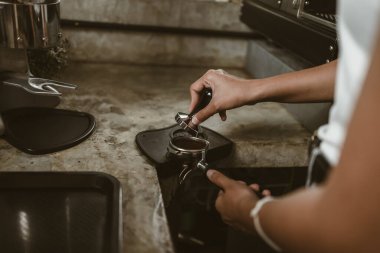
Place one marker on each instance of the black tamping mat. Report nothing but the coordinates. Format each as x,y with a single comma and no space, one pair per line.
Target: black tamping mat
153,144
41,131
45,212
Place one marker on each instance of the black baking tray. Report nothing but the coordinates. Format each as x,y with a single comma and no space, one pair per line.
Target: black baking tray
45,212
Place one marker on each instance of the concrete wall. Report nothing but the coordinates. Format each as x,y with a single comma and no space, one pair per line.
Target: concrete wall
141,47
203,14
156,49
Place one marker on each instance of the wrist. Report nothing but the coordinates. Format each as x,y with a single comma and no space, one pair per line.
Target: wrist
245,216
255,214
258,91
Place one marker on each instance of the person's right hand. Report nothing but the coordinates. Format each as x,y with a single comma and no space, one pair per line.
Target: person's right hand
235,200
228,92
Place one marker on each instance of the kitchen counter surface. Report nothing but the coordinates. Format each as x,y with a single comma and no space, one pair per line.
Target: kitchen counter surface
128,99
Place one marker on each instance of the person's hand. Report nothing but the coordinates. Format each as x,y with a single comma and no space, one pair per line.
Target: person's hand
235,201
228,92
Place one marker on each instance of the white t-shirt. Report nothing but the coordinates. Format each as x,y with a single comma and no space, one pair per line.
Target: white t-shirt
358,27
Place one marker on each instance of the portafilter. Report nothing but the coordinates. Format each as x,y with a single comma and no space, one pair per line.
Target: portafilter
190,152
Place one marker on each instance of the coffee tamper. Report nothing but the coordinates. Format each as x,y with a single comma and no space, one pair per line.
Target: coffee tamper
184,119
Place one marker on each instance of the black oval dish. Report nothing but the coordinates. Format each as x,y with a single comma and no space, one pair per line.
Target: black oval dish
39,131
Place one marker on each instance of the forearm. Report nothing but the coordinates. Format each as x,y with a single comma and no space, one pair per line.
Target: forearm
291,221
310,85
337,217
314,221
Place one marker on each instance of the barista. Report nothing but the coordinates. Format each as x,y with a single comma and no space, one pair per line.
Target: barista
341,213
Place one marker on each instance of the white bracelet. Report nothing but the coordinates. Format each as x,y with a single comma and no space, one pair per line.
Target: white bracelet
256,221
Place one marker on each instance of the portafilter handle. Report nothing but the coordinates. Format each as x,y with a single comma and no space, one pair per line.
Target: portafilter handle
202,164
205,99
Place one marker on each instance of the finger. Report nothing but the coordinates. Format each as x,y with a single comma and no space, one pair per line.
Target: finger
225,73
255,187
219,179
221,71
194,122
223,115
219,204
266,193
205,113
228,221
241,182
195,91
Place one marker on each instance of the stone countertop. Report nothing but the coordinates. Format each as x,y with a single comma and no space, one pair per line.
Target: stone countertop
129,99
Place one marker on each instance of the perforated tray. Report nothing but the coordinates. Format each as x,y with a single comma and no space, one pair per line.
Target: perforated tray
45,212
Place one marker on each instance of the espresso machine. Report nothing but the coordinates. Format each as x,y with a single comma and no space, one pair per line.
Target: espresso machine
28,119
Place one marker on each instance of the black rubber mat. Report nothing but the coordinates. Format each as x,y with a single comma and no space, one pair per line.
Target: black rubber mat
40,131
154,143
47,212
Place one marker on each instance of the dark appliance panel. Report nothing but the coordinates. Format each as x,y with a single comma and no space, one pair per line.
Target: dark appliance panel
306,27
272,3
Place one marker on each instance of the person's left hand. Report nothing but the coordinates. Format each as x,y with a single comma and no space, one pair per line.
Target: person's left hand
235,201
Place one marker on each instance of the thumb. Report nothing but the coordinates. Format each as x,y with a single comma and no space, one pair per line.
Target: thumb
204,114
194,94
219,179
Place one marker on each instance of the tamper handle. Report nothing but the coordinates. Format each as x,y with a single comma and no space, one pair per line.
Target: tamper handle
205,99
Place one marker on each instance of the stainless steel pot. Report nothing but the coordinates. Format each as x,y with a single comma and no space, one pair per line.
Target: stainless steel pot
29,23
